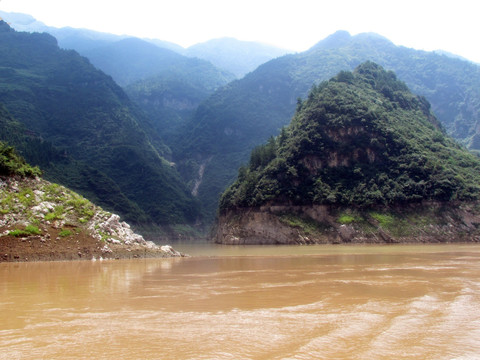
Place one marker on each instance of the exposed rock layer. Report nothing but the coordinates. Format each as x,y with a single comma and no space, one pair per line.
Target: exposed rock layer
428,222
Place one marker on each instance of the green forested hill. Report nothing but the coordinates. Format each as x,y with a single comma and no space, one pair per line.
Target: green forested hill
360,139
248,111
64,103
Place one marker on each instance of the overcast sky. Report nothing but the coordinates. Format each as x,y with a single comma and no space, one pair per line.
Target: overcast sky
294,24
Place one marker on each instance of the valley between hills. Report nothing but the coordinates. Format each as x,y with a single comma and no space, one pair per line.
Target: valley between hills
355,140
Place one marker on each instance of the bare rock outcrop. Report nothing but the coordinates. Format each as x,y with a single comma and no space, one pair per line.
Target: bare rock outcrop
44,221
427,222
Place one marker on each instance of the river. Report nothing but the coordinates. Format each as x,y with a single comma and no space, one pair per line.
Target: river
305,302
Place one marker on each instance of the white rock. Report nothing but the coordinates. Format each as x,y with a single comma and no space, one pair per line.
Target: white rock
169,250
39,193
106,249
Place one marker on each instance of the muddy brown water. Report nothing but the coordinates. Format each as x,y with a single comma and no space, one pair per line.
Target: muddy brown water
311,302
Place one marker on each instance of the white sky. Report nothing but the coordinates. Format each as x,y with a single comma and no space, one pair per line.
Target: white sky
453,26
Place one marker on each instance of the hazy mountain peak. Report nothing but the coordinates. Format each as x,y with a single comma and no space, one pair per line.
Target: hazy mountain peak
341,38
21,19
133,59
372,37
236,56
23,22
336,39
234,43
146,47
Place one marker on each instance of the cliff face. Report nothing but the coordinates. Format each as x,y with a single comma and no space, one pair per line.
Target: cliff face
428,222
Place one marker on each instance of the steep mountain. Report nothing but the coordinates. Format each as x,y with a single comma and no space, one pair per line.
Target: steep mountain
248,111
360,150
61,99
171,96
132,59
235,56
167,86
63,169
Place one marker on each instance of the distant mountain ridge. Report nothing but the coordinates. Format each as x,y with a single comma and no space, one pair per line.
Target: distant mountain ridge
132,59
248,111
68,38
230,55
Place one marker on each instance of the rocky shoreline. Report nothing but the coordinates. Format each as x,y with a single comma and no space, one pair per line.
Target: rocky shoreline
283,224
41,221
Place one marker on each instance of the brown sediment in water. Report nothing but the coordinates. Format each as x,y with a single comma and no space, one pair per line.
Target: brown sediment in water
290,302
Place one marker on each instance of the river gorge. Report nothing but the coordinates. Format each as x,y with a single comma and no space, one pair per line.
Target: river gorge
248,302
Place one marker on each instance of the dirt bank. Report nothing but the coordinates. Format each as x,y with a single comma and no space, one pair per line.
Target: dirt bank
81,246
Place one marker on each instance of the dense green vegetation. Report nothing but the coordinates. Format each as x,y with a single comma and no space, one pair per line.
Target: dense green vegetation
247,112
171,96
83,131
62,168
360,139
12,164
